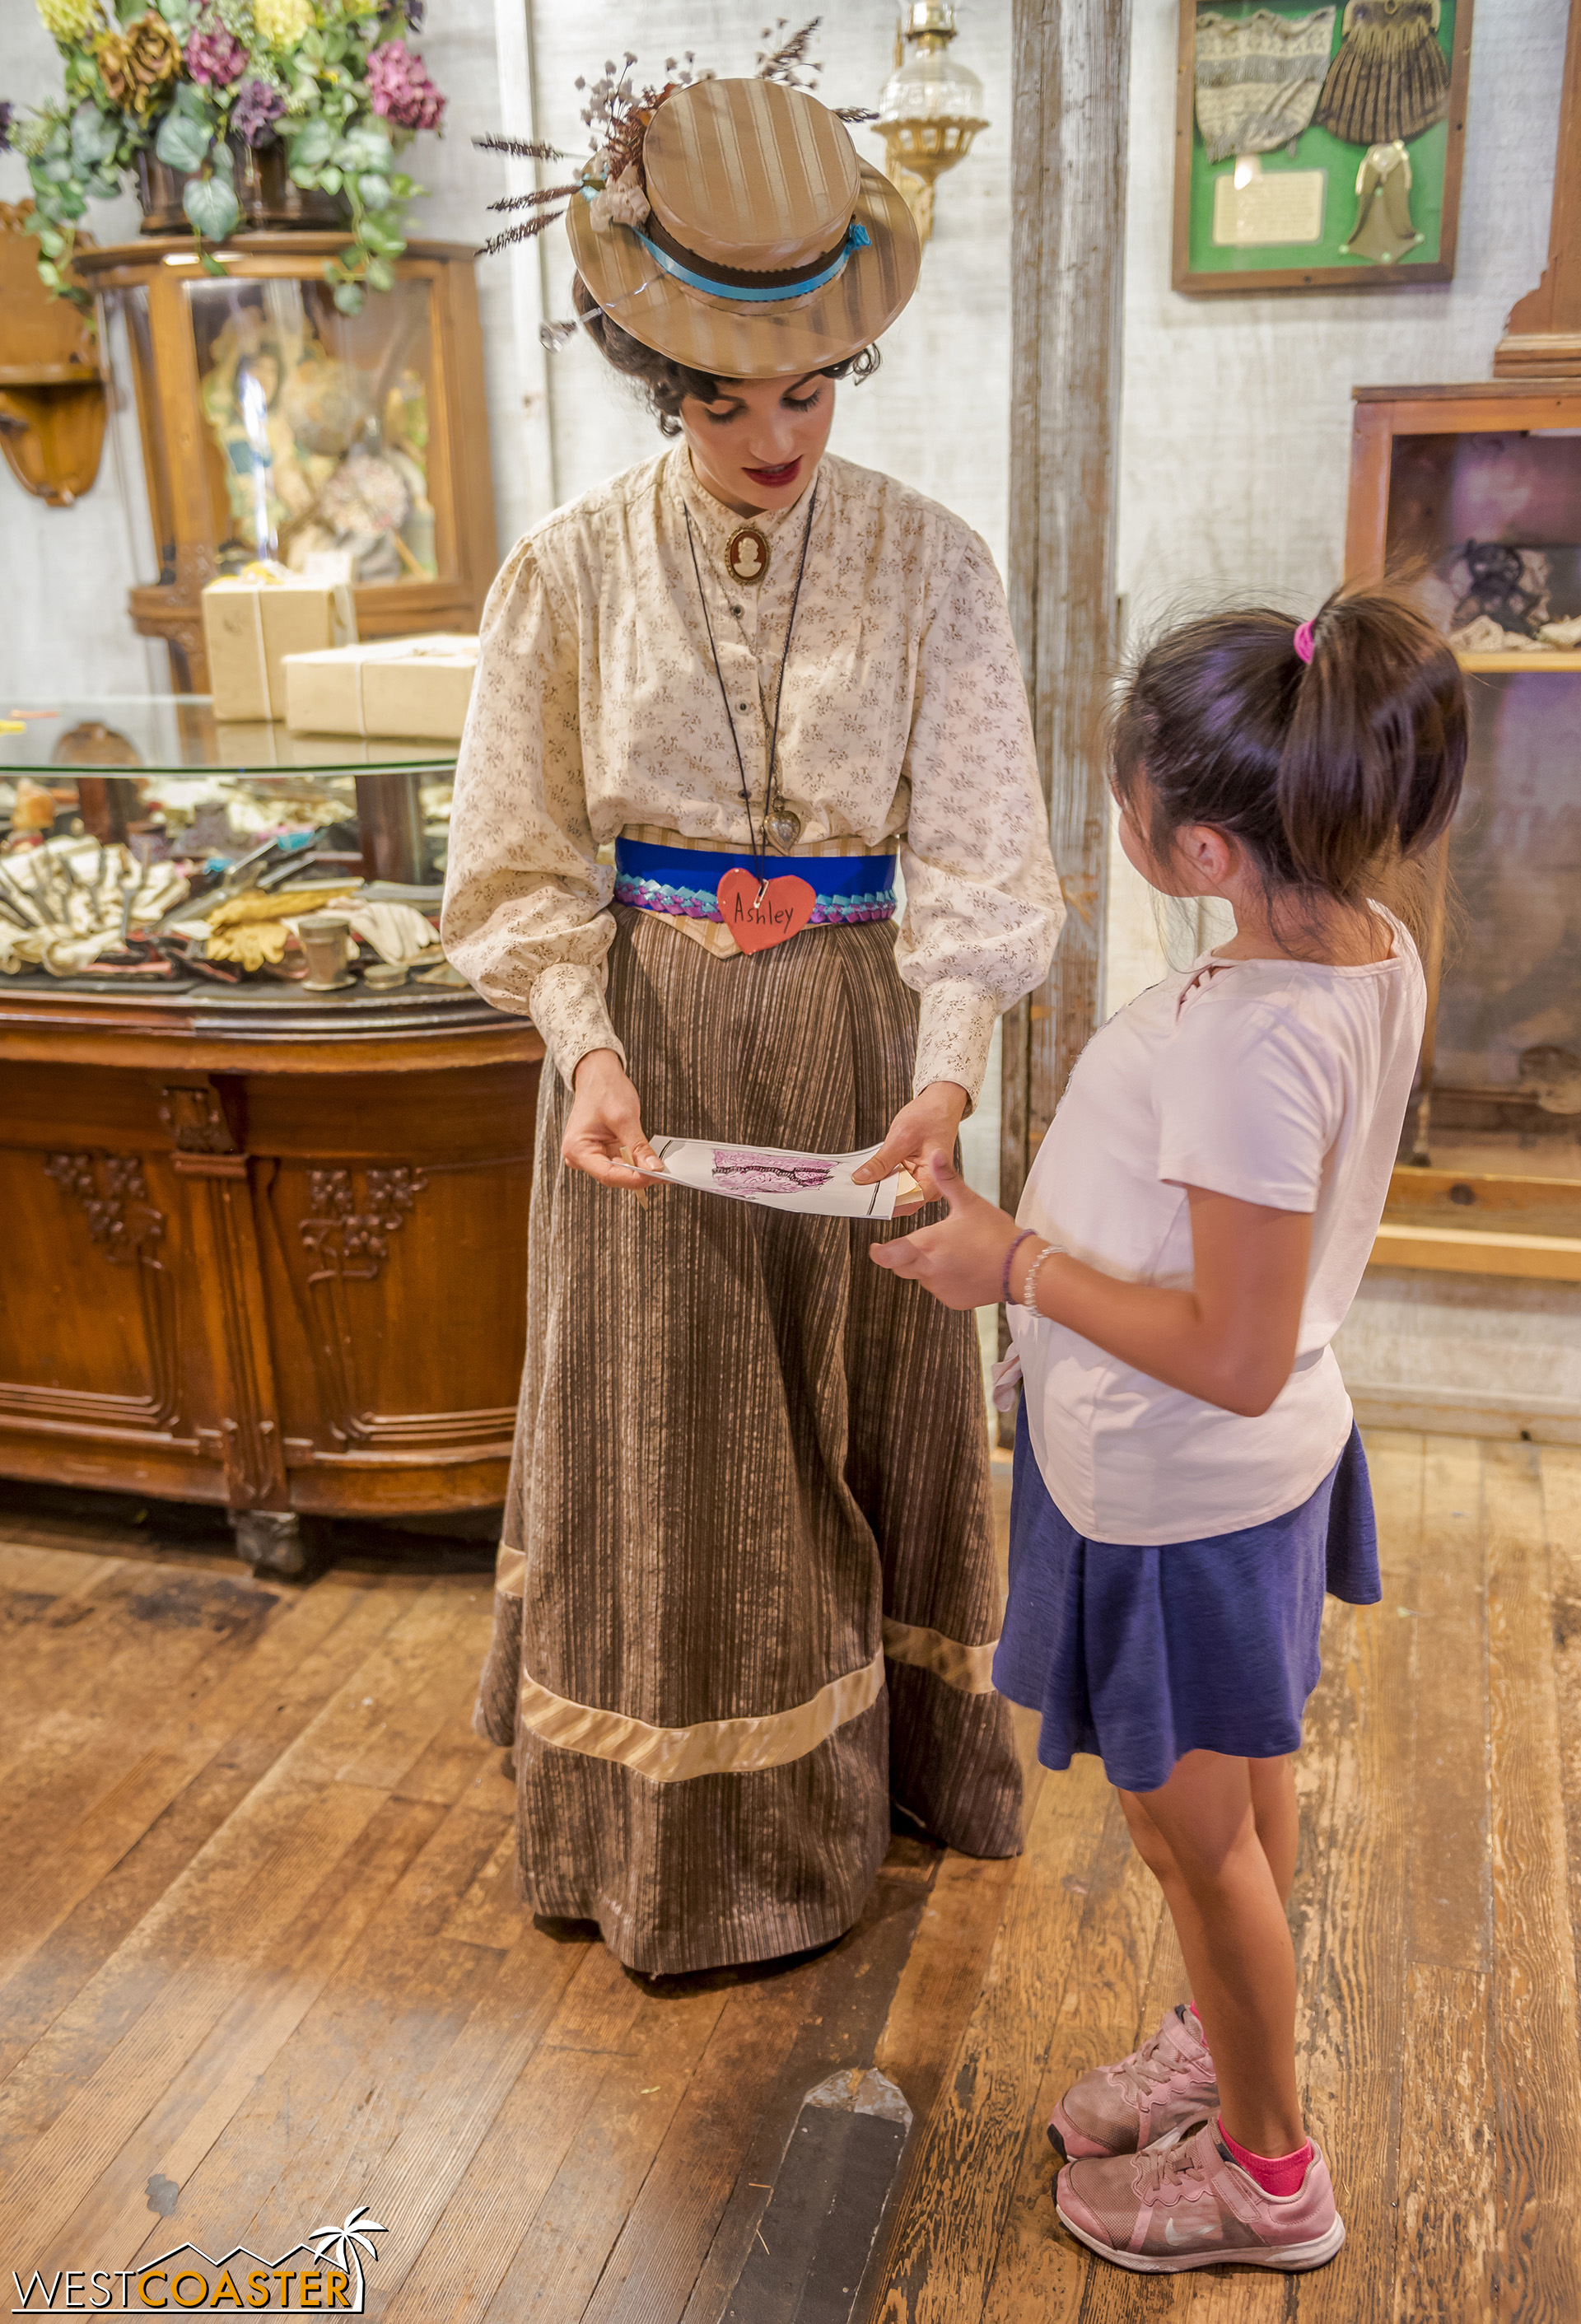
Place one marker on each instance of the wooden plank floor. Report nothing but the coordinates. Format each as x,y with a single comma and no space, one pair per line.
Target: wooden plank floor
260,1959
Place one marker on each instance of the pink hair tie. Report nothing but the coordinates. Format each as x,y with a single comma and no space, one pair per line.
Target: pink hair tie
1304,641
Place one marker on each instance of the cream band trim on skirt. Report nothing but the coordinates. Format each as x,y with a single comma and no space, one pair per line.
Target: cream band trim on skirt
969,1669
715,1746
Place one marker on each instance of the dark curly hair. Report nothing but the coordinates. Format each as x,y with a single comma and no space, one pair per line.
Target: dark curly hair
665,384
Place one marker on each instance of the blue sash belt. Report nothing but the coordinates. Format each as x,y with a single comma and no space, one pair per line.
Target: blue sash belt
685,881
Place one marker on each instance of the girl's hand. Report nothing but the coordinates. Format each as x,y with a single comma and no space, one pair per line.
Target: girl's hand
963,1260
605,1125
929,1120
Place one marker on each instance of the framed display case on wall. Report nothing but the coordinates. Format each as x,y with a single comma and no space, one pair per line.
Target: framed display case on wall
1319,148
1476,491
250,414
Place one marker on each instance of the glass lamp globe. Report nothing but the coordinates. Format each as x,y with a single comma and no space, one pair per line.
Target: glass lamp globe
931,106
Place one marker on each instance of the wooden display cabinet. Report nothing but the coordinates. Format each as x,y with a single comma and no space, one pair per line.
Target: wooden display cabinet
247,406
1490,1175
265,1246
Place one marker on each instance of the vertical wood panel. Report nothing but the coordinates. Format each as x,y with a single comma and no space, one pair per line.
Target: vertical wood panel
1068,255
1534,1961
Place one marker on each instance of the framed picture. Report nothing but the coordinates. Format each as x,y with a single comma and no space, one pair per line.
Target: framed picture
1319,148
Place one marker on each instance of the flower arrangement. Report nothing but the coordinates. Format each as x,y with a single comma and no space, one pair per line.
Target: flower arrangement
197,83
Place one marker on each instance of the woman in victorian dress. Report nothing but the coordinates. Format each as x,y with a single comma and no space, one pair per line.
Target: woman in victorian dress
746,1592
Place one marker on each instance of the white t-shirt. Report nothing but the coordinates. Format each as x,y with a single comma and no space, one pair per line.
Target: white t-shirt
1283,1083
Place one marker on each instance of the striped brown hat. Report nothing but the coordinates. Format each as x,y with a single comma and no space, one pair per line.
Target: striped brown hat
751,240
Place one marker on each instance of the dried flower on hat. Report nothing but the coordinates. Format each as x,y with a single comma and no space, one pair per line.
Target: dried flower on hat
135,64
622,201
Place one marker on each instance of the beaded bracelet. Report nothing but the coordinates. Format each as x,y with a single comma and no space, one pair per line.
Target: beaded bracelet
1045,1250
1005,1294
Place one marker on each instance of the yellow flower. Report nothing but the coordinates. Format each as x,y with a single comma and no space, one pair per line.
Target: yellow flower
68,20
282,22
135,63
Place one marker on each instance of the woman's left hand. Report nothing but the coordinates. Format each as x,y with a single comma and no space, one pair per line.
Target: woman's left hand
961,1261
929,1120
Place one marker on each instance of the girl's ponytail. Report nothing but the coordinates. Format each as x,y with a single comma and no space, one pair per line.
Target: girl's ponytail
1376,748
1331,749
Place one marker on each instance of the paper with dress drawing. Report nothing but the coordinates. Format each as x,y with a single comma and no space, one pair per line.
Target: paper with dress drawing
778,1178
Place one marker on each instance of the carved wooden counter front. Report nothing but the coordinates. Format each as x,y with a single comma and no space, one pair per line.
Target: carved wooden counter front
264,1251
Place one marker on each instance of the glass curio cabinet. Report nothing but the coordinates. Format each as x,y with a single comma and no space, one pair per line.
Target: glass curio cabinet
252,419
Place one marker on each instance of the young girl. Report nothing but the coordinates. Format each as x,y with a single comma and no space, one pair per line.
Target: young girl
1189,1479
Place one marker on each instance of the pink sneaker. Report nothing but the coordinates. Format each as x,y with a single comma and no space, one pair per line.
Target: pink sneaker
1195,2207
1151,2098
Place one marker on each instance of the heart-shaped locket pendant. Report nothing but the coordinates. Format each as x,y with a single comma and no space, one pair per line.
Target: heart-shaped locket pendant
784,910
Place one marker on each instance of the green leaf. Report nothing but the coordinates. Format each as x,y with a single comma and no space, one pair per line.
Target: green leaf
308,179
59,173
374,191
212,208
189,98
50,274
93,137
330,178
223,162
382,237
401,187
348,298
103,185
312,144
182,142
211,264
380,274
51,242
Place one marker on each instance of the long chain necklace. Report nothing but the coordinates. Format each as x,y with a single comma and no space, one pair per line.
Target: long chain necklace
781,821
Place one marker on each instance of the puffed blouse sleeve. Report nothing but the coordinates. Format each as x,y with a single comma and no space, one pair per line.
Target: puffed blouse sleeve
983,908
526,914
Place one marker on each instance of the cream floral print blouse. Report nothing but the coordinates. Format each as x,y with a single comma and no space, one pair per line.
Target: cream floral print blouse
903,728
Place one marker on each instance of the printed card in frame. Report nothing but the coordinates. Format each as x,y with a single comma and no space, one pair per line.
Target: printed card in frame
1285,178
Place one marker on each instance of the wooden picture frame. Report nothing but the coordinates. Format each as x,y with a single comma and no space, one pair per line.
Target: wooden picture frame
1205,269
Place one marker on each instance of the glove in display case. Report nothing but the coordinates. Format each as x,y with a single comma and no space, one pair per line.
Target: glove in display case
265,1159
250,418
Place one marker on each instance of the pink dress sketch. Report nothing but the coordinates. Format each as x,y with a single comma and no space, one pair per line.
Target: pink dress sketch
746,1173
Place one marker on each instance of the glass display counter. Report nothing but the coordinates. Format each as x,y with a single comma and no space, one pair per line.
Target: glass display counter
265,1160
205,811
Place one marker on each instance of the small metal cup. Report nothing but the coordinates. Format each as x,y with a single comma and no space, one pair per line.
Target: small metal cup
325,938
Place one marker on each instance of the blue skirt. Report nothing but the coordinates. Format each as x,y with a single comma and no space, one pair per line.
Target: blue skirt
1142,1654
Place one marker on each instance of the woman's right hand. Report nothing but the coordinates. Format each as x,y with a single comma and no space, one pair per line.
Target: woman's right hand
605,1124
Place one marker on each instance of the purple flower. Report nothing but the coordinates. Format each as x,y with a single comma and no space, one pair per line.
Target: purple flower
414,15
7,115
214,53
256,110
400,89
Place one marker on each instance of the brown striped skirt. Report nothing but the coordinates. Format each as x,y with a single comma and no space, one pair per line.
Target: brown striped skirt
746,1590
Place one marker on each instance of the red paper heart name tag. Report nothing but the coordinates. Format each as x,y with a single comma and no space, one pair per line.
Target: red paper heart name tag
787,907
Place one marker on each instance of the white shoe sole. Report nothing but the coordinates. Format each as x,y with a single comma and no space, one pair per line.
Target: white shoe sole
1290,2260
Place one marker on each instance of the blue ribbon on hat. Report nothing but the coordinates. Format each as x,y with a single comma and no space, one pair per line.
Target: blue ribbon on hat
856,238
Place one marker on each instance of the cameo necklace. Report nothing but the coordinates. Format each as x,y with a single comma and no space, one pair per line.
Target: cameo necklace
782,825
